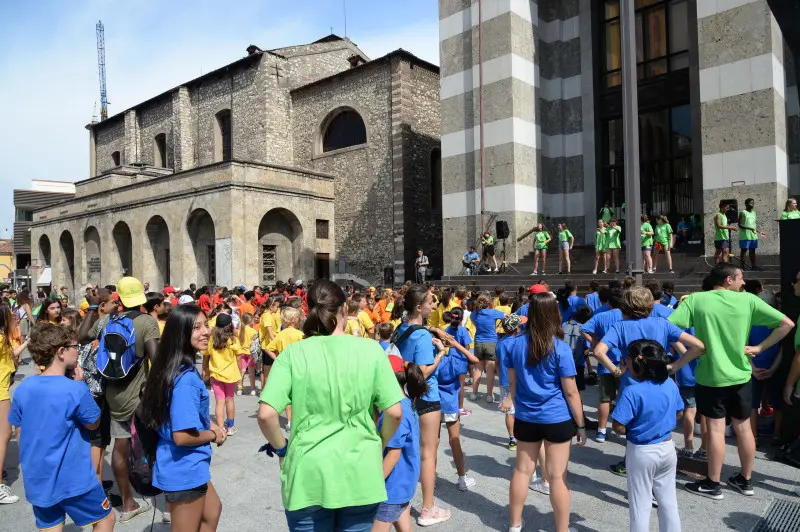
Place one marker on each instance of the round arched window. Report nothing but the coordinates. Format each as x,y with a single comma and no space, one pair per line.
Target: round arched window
344,130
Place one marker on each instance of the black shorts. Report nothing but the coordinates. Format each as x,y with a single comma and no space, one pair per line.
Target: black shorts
551,432
186,495
266,359
488,250
426,407
580,377
722,244
101,436
716,403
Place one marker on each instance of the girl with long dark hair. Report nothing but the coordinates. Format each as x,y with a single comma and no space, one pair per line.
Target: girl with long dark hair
175,404
10,353
333,380
548,408
50,311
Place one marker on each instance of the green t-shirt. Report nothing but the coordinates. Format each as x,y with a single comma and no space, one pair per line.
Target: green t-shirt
647,240
564,235
749,221
721,234
662,233
790,215
722,320
606,213
541,239
335,455
612,237
600,240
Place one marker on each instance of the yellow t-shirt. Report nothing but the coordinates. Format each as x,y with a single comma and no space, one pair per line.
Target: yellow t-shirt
224,364
161,327
285,338
504,309
471,328
7,366
366,323
496,302
396,323
268,319
249,333
354,323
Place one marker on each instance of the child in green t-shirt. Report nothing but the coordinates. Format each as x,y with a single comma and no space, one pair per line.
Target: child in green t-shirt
647,243
663,233
565,243
600,247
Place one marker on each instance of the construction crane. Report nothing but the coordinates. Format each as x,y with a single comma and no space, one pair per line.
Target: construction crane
101,66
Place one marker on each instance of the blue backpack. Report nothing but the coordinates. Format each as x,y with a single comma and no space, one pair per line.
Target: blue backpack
116,353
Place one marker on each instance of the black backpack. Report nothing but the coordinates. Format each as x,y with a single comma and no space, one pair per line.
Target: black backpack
142,457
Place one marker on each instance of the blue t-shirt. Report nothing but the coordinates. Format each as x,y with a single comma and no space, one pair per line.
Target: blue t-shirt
178,467
385,344
538,396
55,454
593,300
485,321
419,349
685,376
661,311
402,481
523,310
603,308
764,360
648,411
598,325
502,352
669,301
446,374
470,256
622,333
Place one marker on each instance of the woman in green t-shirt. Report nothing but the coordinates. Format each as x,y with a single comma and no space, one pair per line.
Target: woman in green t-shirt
613,232
600,247
790,211
647,244
333,469
541,238
664,238
565,243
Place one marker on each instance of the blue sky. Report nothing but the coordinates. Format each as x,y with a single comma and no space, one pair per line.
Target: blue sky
48,62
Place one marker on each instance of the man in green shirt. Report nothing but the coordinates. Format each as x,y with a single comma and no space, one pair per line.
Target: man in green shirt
722,240
794,372
748,236
722,319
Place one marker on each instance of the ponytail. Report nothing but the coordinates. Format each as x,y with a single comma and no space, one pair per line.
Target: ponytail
562,296
649,360
413,380
325,299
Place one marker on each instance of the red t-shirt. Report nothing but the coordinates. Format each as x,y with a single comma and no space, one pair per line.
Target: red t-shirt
205,303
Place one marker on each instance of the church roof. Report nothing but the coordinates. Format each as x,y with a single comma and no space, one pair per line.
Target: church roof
404,54
330,38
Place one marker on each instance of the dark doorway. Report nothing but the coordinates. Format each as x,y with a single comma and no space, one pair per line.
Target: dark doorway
322,268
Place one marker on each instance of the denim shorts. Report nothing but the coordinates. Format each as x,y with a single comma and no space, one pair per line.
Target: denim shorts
389,513
687,394
186,495
347,519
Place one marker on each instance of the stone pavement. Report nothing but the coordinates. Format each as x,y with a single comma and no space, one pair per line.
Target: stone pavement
249,485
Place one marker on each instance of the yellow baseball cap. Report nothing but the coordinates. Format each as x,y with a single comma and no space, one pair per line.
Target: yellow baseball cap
131,292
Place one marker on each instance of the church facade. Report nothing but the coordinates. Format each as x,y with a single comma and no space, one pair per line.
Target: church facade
308,161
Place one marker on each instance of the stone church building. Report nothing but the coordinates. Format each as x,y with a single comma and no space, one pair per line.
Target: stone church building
308,161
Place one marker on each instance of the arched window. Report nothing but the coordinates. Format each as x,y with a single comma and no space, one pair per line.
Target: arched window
344,130
115,158
160,150
222,136
436,179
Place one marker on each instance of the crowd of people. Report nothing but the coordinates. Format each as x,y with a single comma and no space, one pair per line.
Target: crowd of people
365,381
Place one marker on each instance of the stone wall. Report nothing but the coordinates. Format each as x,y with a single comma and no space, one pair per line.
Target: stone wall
363,185
109,137
154,119
311,62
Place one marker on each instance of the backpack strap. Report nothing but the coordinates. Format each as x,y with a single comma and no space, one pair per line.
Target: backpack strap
397,340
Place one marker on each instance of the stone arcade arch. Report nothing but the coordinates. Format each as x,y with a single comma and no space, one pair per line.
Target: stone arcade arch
45,252
91,246
280,245
157,268
200,227
124,243
67,267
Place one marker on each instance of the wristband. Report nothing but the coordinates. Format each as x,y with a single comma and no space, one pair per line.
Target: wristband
280,453
93,307
581,428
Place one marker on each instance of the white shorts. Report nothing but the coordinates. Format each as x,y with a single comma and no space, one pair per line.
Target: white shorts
450,418
505,391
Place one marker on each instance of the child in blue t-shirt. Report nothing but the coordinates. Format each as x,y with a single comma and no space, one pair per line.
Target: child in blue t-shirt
449,374
685,379
511,324
385,331
401,463
764,367
54,415
647,411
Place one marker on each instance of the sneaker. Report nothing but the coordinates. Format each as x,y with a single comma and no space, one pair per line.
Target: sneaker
544,273
619,469
535,272
671,271
517,528
166,518
766,412
594,272
600,437
473,396
288,426
463,412
741,484
252,393
686,453
540,485
125,517
6,497
432,516
705,488
512,444
490,398
238,392
465,483
232,431
701,455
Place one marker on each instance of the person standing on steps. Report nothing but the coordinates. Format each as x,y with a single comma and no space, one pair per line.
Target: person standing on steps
613,232
606,213
647,244
541,239
790,211
421,266
600,247
487,241
748,234
722,229
722,319
565,243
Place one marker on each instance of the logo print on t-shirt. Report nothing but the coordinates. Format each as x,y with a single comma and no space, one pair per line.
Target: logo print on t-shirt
106,504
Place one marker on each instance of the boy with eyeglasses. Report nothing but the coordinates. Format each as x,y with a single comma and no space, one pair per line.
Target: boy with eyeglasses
54,414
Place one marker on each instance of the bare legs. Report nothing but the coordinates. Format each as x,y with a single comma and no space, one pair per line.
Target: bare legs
615,258
488,366
5,431
564,257
199,515
716,446
429,425
555,470
119,464
647,258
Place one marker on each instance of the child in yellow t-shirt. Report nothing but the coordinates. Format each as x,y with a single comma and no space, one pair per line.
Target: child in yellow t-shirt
503,306
270,322
367,325
247,364
290,317
221,363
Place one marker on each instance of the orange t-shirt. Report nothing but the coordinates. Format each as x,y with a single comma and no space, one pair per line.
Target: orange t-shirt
245,308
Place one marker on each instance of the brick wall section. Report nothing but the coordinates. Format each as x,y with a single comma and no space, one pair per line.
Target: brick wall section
311,62
132,143
109,137
153,120
181,144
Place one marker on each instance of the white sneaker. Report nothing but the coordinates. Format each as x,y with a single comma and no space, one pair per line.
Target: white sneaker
125,517
465,483
594,272
540,485
253,393
473,396
166,518
6,497
238,392
435,515
288,426
490,398
517,528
